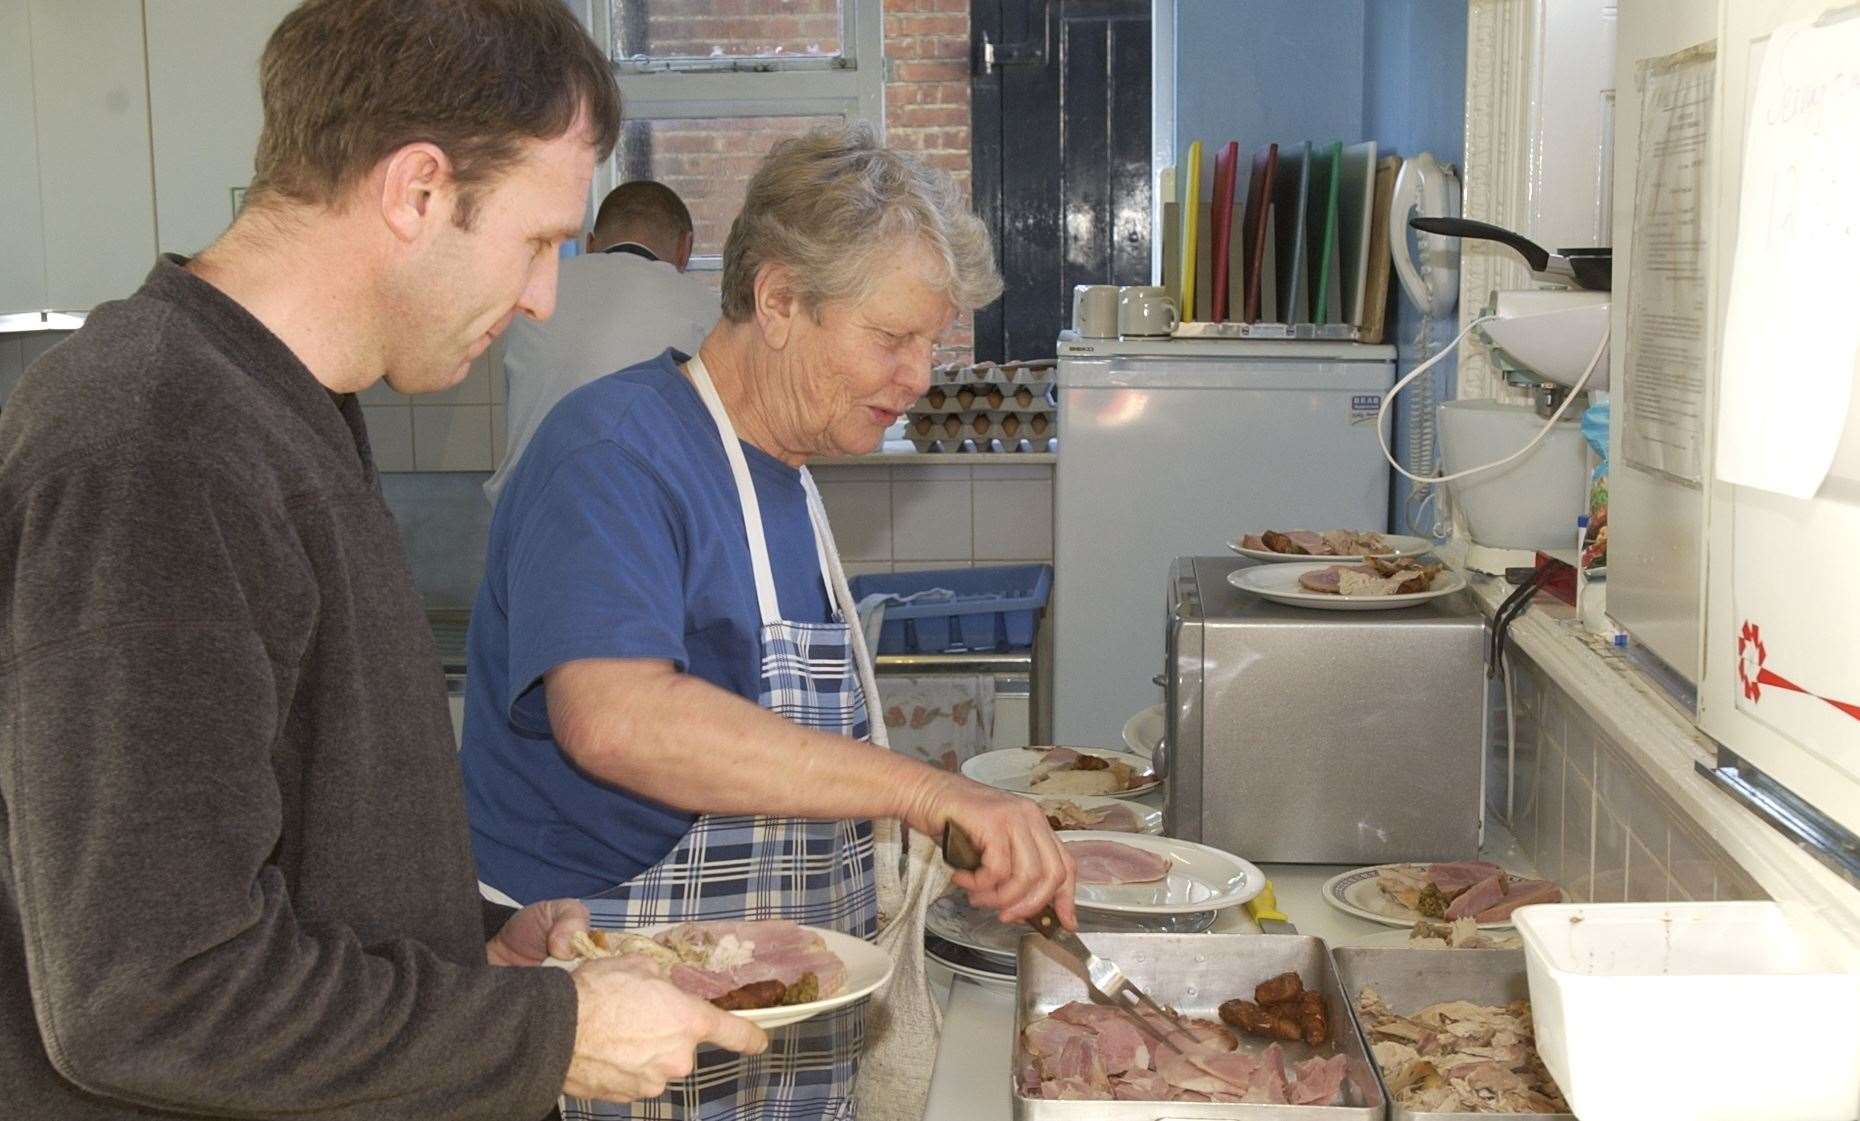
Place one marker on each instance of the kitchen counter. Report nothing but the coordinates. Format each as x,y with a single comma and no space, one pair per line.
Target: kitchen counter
975,1054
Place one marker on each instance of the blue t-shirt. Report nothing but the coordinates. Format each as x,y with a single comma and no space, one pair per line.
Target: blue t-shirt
619,535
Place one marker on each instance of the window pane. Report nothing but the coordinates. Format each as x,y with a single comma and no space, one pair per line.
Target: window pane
666,29
707,160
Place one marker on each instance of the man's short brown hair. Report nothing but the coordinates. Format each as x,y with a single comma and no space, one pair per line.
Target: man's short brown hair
642,204
347,82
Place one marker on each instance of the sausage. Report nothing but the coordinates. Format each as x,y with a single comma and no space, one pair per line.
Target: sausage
1248,1017
1314,1018
1284,987
756,994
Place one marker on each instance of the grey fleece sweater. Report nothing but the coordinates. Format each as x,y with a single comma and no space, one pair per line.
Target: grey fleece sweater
235,878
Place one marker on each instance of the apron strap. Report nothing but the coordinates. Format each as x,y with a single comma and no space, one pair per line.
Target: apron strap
767,604
849,610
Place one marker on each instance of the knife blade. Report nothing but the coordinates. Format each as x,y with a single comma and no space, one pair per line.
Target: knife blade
1264,908
1103,979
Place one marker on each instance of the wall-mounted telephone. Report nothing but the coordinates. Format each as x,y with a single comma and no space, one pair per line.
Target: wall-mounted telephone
1426,187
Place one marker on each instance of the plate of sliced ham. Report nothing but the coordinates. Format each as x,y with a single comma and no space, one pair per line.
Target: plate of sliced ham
1404,894
1107,815
806,970
1063,772
1143,875
1335,586
1304,544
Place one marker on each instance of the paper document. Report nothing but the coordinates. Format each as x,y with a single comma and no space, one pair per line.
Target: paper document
1668,311
1792,331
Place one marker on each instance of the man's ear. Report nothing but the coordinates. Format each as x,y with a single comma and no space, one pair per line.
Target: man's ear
777,304
681,257
417,189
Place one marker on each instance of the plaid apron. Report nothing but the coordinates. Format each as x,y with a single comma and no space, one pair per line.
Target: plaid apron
817,873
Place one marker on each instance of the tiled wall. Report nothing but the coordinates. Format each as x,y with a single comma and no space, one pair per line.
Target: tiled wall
1586,815
898,518
461,429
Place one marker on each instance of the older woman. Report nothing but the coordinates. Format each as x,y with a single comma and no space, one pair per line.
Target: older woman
669,716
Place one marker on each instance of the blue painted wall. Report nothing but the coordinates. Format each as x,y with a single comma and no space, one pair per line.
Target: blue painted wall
1392,71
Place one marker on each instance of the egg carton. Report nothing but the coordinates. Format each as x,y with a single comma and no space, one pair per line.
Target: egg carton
998,447
1008,425
944,400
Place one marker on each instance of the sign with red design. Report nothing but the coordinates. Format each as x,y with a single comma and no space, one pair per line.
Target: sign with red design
1753,674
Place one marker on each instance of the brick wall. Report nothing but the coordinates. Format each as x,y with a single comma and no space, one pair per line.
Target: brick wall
927,100
708,161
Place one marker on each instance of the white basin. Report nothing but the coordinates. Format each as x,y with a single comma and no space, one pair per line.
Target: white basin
1531,503
1553,334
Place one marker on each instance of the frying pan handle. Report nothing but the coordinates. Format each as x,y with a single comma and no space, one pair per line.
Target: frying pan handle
1534,254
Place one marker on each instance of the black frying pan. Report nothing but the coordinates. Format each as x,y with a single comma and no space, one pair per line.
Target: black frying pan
1592,269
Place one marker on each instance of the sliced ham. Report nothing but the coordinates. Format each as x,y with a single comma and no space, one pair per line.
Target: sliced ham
1520,894
1478,897
1237,1069
1319,1081
1455,877
1140,1086
1310,541
1321,580
1046,1038
1079,1058
1270,1084
1253,541
1185,1072
1109,862
1121,1046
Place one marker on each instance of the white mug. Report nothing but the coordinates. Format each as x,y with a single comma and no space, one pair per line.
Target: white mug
1094,311
1144,309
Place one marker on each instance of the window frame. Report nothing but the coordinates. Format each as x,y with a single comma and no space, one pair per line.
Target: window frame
850,85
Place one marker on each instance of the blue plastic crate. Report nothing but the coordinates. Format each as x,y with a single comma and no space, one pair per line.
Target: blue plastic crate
994,608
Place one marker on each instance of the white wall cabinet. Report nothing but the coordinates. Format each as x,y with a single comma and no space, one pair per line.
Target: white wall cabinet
203,67
74,116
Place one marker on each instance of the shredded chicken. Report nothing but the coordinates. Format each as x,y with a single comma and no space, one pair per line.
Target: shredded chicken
1460,1057
1460,934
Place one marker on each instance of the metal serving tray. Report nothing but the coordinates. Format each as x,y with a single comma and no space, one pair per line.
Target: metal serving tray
1410,980
1195,973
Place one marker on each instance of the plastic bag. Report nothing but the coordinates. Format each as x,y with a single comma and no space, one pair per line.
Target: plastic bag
1595,430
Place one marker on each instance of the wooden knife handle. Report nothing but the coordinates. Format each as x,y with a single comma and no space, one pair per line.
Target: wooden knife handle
959,849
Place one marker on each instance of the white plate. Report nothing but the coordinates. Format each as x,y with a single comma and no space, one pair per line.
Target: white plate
952,919
1396,940
1143,733
1200,878
961,964
1011,769
1279,583
1150,817
1355,893
867,970
1400,545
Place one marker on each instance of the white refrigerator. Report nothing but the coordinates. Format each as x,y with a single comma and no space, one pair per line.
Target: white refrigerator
1174,447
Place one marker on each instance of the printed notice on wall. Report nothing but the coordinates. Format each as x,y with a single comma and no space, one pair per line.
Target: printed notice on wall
1666,361
1792,330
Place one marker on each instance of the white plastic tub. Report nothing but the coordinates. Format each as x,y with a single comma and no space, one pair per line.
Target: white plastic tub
1693,1012
1531,503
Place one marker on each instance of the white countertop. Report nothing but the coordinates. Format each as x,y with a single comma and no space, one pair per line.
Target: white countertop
974,1057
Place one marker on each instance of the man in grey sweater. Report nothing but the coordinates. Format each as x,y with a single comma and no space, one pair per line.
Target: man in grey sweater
235,879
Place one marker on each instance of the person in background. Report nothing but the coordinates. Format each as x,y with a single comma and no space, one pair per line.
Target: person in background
235,880
622,302
667,713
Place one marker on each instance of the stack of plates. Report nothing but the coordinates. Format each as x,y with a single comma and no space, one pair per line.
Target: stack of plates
974,943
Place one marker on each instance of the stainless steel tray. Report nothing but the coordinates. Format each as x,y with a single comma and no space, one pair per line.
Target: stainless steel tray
1410,980
1195,973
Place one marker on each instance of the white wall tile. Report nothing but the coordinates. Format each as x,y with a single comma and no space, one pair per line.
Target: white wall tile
931,520
849,472
865,568
1014,519
475,389
390,436
1610,858
1578,833
861,515
931,566
1646,876
380,393
452,438
926,472
1012,471
1547,849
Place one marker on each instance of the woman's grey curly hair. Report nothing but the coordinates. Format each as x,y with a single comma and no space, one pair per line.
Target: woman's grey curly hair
835,204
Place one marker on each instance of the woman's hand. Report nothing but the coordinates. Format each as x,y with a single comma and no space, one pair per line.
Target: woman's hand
1024,867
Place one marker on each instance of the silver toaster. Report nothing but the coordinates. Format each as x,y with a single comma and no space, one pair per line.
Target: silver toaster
1323,737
